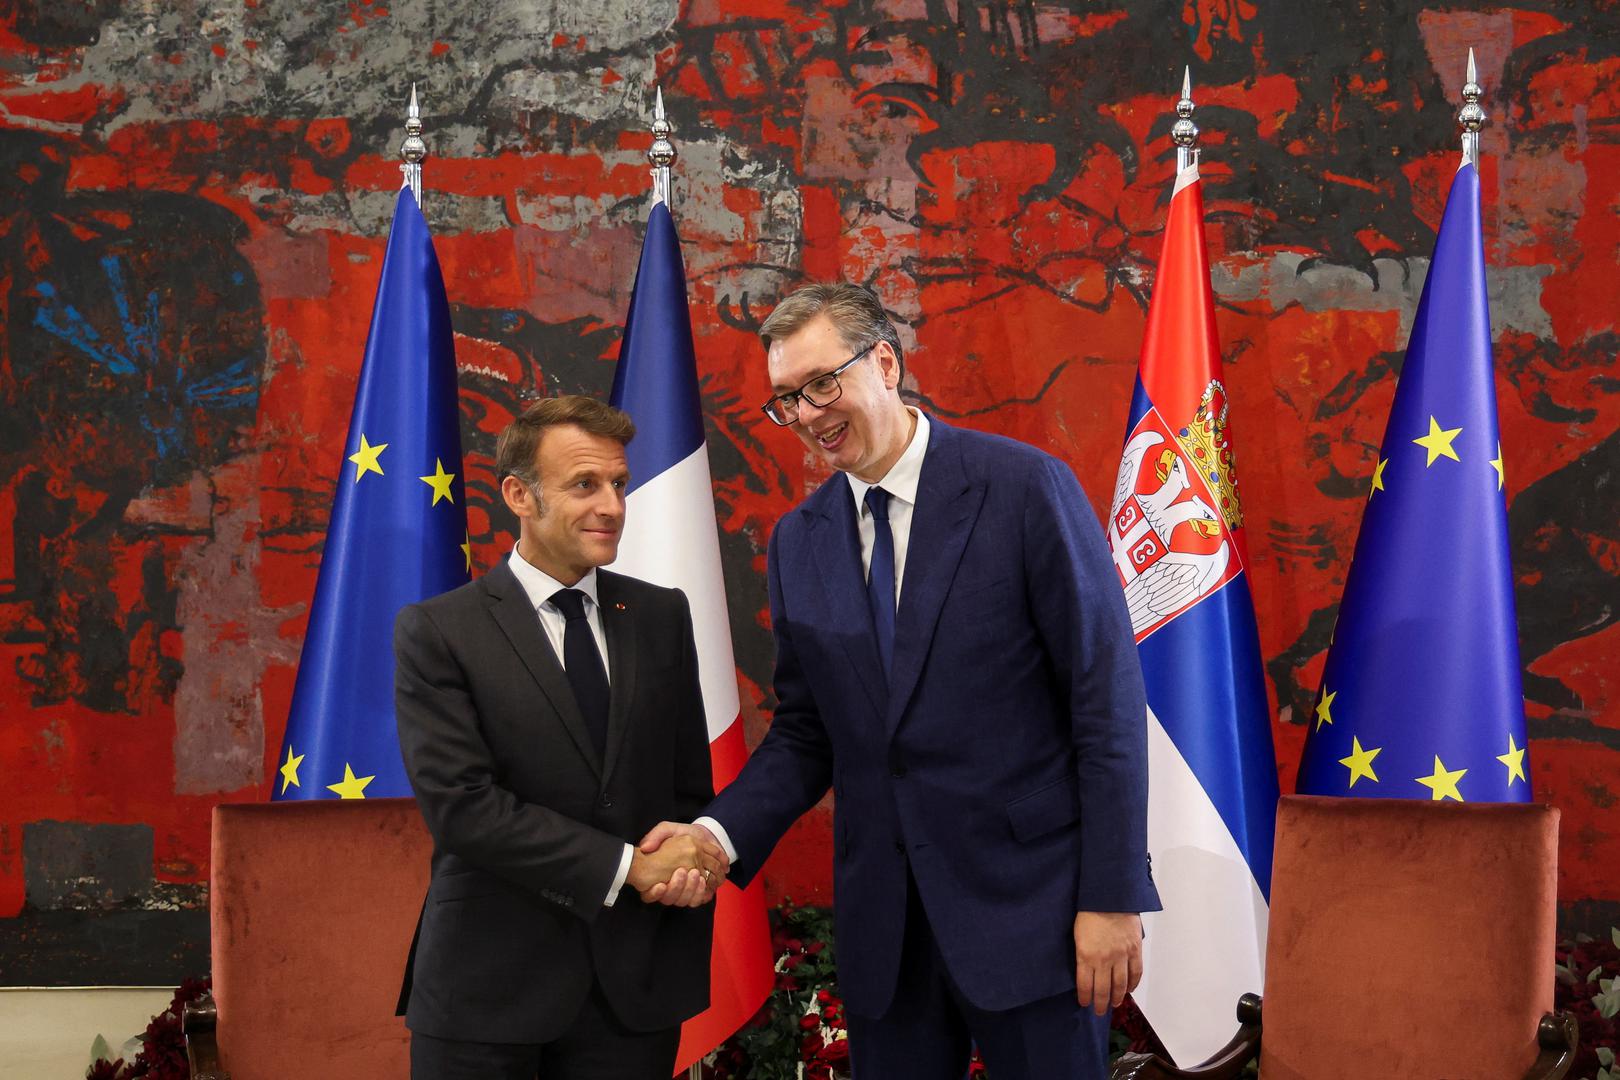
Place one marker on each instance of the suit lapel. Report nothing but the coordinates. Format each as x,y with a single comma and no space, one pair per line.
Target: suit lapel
619,627
842,585
509,606
947,504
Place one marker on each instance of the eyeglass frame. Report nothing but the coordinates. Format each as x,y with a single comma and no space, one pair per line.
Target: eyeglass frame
800,392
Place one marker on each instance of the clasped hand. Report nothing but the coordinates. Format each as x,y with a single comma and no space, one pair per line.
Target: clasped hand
678,865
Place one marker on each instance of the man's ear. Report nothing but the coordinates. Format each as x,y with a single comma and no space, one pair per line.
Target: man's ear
888,364
517,496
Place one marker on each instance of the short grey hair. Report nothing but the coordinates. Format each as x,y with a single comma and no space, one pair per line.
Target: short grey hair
854,310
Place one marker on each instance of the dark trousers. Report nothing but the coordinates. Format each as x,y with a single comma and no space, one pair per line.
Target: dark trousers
595,1047
930,1028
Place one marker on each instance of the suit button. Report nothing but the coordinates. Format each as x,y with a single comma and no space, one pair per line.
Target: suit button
605,800
898,772
900,846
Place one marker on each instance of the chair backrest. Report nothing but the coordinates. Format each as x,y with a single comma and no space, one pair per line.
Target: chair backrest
312,907
1408,939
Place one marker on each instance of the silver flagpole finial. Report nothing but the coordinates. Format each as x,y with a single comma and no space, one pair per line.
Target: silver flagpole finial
1472,115
1184,133
662,152
413,149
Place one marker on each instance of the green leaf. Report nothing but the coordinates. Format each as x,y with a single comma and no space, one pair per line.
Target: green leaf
100,1050
1614,935
1605,1056
1563,974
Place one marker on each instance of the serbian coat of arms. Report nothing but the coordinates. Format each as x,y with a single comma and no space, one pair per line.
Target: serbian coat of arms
1175,514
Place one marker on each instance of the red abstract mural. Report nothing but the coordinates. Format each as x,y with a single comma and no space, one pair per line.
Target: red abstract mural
193,207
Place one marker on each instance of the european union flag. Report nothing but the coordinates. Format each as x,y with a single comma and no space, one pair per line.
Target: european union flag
1421,696
398,532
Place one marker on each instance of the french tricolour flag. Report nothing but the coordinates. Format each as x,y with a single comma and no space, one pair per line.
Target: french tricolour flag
671,538
1176,530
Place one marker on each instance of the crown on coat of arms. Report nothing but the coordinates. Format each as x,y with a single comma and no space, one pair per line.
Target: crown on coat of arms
1207,448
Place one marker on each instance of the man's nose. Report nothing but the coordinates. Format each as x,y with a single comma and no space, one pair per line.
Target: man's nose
808,410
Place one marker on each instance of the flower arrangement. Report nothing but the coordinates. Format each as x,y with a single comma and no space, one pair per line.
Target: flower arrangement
1588,972
163,1045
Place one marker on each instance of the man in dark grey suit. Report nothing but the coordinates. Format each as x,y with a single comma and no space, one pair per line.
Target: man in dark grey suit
550,714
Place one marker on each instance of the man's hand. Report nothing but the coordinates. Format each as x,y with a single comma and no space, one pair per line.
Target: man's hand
1107,957
678,865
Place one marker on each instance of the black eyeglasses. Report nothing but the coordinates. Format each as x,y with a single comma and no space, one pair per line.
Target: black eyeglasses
821,391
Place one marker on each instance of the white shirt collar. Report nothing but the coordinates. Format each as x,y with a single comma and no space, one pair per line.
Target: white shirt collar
903,476
540,585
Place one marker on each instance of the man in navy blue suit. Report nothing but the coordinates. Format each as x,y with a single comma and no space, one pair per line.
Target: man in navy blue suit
954,659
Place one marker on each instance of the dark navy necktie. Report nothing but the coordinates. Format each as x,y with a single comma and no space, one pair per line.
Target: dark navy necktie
880,579
582,660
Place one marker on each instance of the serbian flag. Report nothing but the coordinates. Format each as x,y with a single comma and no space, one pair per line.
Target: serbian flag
1176,530
672,539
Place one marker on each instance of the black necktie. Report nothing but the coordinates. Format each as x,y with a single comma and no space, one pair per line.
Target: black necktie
880,579
583,662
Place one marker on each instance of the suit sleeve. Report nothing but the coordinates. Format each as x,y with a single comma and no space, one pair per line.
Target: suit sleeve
452,771
1080,613
792,767
694,769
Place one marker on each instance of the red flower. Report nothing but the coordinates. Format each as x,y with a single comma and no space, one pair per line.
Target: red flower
836,1052
823,996
810,1021
815,947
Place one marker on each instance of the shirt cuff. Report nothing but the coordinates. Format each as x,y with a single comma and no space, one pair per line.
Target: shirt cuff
619,878
720,834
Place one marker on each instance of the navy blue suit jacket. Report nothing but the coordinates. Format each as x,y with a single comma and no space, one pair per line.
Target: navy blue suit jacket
1004,757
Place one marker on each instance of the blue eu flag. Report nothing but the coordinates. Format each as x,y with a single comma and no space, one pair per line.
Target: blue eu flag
398,533
1421,695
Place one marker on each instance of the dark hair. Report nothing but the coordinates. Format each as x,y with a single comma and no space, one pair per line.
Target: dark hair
854,309
515,449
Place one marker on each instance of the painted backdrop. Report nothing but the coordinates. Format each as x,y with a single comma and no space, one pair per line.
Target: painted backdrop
194,197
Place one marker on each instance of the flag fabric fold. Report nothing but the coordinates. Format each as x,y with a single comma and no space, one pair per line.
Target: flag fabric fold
398,533
1421,694
671,538
1176,531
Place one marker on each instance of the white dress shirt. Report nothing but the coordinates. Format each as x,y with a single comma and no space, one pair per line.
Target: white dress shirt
901,483
540,587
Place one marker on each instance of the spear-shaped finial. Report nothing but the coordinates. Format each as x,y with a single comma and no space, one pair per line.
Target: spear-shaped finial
1184,133
1472,115
662,151
413,149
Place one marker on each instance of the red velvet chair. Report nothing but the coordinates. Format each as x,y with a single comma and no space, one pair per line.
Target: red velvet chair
312,906
1408,941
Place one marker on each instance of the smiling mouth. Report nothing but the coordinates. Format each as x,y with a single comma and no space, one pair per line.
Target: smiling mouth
830,438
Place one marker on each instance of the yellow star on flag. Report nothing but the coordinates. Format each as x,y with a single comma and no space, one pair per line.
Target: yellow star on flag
1514,760
1444,782
1324,708
289,770
352,787
1496,463
1360,761
366,458
1378,477
439,482
466,549
1438,442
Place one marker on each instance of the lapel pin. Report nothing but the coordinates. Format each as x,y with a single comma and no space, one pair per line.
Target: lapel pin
618,607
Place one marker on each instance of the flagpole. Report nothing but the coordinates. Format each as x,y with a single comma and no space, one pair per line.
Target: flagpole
413,149
1472,115
1184,133
662,153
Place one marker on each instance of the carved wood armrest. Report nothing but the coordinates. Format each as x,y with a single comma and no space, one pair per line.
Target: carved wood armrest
197,1022
1559,1036
1226,1064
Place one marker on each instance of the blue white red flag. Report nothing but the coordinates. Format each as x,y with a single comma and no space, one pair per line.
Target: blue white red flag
671,538
1176,530
1421,696
398,533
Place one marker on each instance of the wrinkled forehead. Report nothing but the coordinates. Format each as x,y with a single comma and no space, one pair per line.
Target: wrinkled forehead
568,450
815,349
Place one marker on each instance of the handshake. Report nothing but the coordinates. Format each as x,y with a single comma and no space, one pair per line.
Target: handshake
678,865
